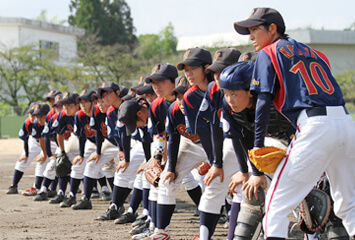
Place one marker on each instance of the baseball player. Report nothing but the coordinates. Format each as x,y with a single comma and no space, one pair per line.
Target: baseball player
299,81
31,150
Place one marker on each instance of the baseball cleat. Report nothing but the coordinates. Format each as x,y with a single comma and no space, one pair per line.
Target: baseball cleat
144,234
57,199
106,196
111,214
140,228
140,220
196,213
41,196
127,217
84,203
160,234
12,190
52,194
30,192
95,193
68,202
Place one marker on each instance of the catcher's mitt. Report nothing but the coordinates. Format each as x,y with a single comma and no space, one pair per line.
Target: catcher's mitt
62,165
203,168
152,171
266,159
315,210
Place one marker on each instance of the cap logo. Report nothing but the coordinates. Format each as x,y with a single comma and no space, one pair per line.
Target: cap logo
155,69
37,106
181,81
187,54
103,85
57,98
51,92
245,57
217,56
140,80
252,13
33,107
66,95
83,92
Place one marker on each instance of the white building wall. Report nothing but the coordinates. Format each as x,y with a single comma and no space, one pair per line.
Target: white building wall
9,36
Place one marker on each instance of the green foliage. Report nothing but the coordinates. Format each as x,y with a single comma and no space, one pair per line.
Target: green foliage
168,40
43,17
347,83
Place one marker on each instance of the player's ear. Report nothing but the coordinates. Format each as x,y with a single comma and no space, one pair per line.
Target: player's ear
273,28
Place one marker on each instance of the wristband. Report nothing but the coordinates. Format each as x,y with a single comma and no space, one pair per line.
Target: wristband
158,157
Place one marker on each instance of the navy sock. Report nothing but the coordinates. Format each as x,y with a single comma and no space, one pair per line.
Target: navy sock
54,184
17,177
110,181
74,185
233,219
153,211
227,206
136,199
63,182
209,220
146,198
274,238
38,182
119,195
164,214
102,182
88,186
195,195
47,182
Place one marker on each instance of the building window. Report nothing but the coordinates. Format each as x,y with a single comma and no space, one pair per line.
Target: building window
48,45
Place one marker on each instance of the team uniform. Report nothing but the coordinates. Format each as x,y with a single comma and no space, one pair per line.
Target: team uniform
324,137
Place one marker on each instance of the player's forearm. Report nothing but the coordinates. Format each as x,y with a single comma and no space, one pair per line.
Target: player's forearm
60,141
262,116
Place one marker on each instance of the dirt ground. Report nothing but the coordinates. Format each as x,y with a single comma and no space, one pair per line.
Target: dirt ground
22,218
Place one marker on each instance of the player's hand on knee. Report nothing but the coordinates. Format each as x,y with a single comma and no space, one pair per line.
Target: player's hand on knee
252,185
212,174
141,167
94,157
120,155
122,164
41,158
238,178
78,159
168,176
23,158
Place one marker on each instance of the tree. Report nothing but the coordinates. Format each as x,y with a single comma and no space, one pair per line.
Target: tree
43,17
168,40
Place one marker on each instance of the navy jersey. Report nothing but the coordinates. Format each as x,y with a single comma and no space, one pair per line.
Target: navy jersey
192,102
298,77
50,114
211,106
82,126
37,130
26,130
157,115
64,124
49,133
97,121
111,122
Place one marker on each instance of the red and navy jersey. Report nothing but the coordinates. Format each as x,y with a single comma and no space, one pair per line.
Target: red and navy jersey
64,124
37,130
298,76
97,121
211,106
111,122
192,102
176,123
157,115
26,130
50,114
82,126
48,130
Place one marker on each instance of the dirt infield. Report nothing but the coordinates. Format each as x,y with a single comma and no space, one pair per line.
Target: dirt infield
22,218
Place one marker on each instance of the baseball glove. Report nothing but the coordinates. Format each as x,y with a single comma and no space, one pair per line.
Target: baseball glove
266,159
62,165
152,171
203,168
315,211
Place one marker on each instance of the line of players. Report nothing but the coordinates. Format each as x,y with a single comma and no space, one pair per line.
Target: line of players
182,121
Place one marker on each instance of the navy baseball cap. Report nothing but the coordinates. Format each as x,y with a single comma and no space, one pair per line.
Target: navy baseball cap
123,91
127,114
57,100
259,16
195,57
69,98
181,85
107,86
31,108
162,71
237,76
41,109
87,95
223,58
248,56
147,88
52,94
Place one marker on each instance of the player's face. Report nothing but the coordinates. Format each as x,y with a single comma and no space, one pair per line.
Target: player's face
179,100
51,101
70,109
195,75
260,37
163,88
86,106
102,105
216,78
109,97
150,97
238,100
57,108
142,117
31,117
41,120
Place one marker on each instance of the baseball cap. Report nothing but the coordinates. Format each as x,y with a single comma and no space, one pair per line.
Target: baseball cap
52,94
248,56
41,109
87,95
260,16
194,57
181,85
127,114
69,98
147,88
107,86
237,76
31,108
162,71
123,91
57,100
223,58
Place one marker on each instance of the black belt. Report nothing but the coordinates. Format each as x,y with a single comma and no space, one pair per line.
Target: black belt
321,111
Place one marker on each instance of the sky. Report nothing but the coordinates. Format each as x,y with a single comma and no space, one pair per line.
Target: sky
202,17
